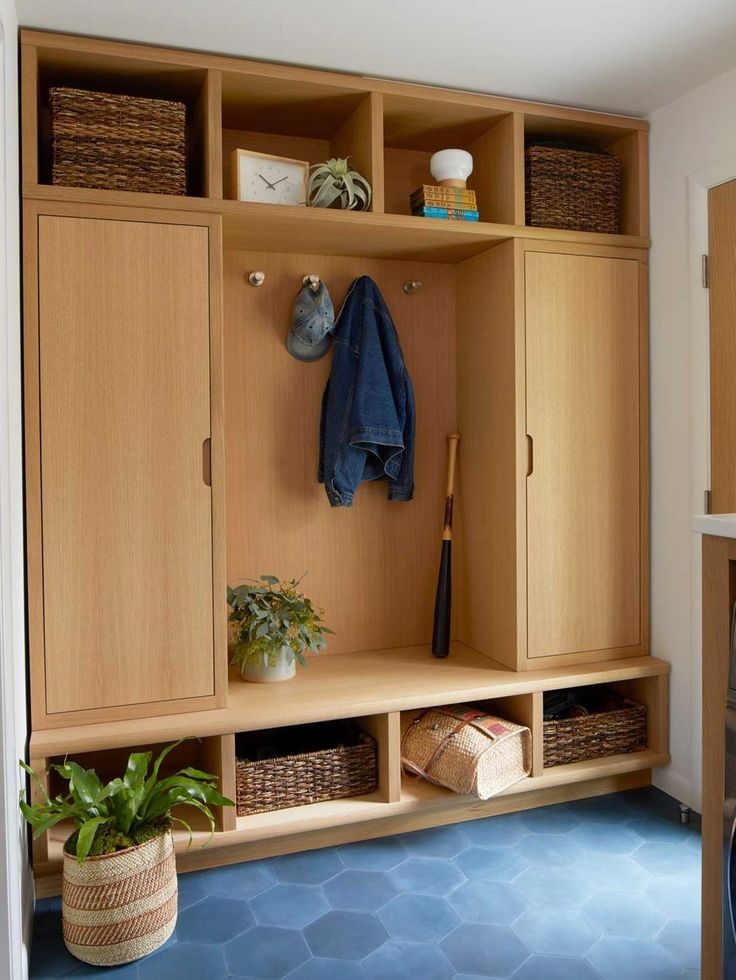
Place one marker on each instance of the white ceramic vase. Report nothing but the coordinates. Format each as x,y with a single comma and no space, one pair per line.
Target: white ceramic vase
263,671
451,168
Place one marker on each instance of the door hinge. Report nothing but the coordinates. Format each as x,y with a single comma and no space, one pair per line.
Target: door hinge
705,272
706,502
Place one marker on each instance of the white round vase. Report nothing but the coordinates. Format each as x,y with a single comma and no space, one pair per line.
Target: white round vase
451,168
268,671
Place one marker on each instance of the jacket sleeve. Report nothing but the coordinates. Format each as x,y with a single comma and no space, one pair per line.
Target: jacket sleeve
402,488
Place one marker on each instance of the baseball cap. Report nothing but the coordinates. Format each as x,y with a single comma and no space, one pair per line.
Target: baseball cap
312,322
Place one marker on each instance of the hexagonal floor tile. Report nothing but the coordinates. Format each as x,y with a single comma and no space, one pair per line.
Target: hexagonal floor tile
238,880
128,972
477,901
214,920
491,863
360,890
398,960
418,917
500,831
488,950
435,842
266,952
289,905
345,935
678,897
319,968
190,889
615,957
550,849
663,859
605,871
184,961
556,968
308,867
426,876
624,914
681,938
610,838
550,820
554,886
557,932
374,855
606,809
661,829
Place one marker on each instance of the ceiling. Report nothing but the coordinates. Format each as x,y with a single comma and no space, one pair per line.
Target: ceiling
628,56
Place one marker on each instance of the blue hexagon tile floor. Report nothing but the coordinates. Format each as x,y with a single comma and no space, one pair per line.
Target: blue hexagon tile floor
601,888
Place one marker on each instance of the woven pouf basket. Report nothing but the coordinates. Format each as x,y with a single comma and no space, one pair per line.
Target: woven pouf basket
119,907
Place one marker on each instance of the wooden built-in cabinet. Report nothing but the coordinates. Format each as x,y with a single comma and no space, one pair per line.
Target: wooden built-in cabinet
123,425
172,443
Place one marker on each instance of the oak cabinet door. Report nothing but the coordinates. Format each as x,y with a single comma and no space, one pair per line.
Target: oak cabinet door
584,534
124,386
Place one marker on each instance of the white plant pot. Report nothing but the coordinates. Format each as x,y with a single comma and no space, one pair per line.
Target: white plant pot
451,168
262,672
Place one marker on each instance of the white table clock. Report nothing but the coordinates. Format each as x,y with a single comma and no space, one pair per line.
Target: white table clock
267,179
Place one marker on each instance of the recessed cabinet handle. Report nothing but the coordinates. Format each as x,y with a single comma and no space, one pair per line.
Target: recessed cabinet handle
207,462
529,455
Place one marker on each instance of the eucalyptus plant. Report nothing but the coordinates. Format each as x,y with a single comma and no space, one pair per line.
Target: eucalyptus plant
268,615
123,812
335,181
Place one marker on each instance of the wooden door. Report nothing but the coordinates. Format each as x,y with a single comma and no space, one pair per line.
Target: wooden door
722,262
584,534
124,393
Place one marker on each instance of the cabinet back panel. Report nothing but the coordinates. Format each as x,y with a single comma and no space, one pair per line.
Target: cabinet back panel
372,567
126,514
583,413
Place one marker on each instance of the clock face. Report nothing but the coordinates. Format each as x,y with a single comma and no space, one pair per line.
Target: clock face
271,180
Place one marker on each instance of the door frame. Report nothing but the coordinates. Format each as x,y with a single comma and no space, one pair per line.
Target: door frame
699,184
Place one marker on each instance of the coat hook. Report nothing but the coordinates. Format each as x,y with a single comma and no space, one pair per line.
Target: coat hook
257,278
411,286
312,280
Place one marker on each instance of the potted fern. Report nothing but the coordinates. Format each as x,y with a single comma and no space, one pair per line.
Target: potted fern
273,626
335,184
119,887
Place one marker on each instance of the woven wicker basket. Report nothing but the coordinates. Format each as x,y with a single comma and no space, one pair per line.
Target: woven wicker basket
117,142
465,750
119,907
572,188
593,736
310,777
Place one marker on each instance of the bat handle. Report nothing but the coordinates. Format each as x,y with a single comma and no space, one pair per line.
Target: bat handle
452,442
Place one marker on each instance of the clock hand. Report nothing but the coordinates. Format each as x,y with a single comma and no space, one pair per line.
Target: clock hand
267,181
279,180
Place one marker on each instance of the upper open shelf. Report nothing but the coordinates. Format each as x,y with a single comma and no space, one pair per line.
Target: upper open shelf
388,129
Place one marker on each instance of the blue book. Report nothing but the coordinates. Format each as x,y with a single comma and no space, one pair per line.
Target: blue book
455,214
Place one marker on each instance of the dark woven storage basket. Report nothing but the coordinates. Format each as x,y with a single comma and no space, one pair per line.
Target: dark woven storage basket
117,142
596,735
572,188
310,777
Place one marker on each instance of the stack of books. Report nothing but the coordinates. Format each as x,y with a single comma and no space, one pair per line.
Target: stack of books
455,203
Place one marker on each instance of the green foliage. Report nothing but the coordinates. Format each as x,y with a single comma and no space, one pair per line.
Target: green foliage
267,617
336,181
126,808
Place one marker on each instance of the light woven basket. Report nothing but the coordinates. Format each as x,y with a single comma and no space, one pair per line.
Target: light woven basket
466,750
119,907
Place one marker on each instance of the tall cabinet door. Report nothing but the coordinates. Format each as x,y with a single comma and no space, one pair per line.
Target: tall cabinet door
585,423
124,409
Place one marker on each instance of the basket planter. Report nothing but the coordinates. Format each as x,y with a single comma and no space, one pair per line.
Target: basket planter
121,906
310,777
117,142
596,735
572,188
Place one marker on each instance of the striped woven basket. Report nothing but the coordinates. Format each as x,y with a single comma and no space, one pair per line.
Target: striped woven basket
119,907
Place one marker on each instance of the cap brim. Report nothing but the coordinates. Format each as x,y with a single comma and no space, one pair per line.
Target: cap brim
307,352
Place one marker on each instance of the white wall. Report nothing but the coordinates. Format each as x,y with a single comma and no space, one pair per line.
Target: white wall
16,888
692,134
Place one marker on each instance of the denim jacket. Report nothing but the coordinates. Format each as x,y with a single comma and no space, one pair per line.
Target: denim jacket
368,413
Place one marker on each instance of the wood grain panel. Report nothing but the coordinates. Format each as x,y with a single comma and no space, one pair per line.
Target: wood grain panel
495,176
360,138
583,415
127,517
487,555
722,259
372,566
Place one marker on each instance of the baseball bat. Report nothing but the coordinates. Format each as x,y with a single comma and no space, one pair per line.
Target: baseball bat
443,598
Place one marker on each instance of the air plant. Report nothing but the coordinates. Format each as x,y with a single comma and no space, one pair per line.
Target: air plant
334,181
